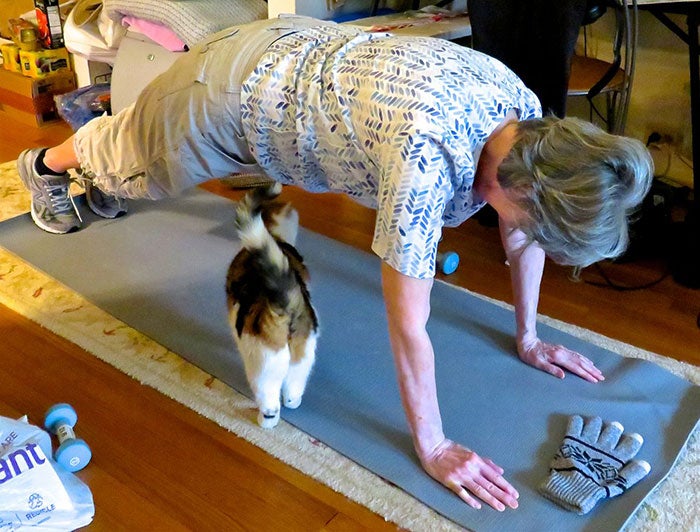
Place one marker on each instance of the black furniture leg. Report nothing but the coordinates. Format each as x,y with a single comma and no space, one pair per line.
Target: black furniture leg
685,263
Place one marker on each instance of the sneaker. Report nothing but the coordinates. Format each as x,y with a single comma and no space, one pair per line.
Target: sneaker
240,181
102,204
52,209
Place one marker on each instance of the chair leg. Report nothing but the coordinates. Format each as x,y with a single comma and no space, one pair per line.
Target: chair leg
617,115
611,97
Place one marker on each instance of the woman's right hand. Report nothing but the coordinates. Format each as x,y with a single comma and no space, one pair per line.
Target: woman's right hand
470,476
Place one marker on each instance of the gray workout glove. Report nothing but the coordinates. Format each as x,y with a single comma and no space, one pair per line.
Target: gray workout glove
593,462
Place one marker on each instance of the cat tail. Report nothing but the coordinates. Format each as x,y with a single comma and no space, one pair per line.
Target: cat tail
253,233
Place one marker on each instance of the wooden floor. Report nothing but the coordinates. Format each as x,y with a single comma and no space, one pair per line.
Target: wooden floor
159,466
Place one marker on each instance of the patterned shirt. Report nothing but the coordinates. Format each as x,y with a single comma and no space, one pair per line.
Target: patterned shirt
396,123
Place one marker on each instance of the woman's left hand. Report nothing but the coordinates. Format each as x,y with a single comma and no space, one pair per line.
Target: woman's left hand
552,358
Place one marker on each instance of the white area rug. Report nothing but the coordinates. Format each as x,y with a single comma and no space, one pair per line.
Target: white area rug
673,506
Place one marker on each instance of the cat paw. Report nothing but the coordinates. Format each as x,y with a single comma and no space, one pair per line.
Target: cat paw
268,420
292,402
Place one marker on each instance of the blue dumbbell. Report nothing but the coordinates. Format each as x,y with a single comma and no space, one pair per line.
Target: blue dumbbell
72,453
447,262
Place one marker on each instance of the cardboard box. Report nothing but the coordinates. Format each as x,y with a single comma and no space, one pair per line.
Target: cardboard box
30,101
40,64
48,18
10,57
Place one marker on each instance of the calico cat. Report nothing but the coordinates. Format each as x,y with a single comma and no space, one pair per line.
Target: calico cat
274,325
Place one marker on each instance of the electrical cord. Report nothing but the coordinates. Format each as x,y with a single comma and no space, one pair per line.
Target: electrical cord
623,288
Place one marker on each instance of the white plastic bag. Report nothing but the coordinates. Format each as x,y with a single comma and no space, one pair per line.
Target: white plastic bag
36,493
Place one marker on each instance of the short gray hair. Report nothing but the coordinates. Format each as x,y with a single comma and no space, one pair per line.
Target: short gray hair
578,186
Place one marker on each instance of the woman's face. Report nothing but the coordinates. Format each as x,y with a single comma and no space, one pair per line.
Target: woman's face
509,211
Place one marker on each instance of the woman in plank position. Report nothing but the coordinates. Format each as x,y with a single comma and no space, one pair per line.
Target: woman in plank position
422,130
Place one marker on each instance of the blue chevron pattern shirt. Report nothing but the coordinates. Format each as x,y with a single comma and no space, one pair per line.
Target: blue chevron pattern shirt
396,123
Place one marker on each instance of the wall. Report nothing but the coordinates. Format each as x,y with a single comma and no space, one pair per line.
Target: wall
323,9
12,9
326,9
660,94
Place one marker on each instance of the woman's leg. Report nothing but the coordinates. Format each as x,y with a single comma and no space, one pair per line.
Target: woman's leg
183,129
62,158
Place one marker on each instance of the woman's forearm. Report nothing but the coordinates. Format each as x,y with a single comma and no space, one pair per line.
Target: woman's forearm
458,468
416,376
408,307
526,261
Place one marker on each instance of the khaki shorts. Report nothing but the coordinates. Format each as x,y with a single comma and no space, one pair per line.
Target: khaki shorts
185,127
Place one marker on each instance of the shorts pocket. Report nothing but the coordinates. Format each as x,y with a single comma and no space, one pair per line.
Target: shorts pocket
196,66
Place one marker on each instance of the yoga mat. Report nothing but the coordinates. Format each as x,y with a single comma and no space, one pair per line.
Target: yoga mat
161,270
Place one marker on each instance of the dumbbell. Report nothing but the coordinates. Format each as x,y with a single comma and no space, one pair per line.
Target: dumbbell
72,453
447,262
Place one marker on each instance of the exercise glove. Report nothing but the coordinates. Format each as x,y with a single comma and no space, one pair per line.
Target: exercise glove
593,462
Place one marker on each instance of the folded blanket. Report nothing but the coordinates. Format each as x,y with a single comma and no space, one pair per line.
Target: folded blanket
191,20
90,33
156,32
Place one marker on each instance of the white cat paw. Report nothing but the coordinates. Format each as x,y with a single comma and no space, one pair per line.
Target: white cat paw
292,402
269,420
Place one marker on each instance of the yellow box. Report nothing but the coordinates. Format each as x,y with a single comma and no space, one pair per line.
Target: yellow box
10,57
31,101
40,64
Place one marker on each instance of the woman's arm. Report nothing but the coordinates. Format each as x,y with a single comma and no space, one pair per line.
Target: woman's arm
407,303
526,261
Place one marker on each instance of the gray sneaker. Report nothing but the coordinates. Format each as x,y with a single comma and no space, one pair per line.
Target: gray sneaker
103,204
53,209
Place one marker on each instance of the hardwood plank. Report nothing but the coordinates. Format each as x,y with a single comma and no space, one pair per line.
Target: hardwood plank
16,136
155,461
342,523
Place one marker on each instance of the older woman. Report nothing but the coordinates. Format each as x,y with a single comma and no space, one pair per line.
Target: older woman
424,131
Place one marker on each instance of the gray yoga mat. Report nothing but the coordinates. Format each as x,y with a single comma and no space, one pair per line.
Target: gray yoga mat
161,270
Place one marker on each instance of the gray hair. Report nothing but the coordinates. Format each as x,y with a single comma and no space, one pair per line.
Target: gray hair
577,185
